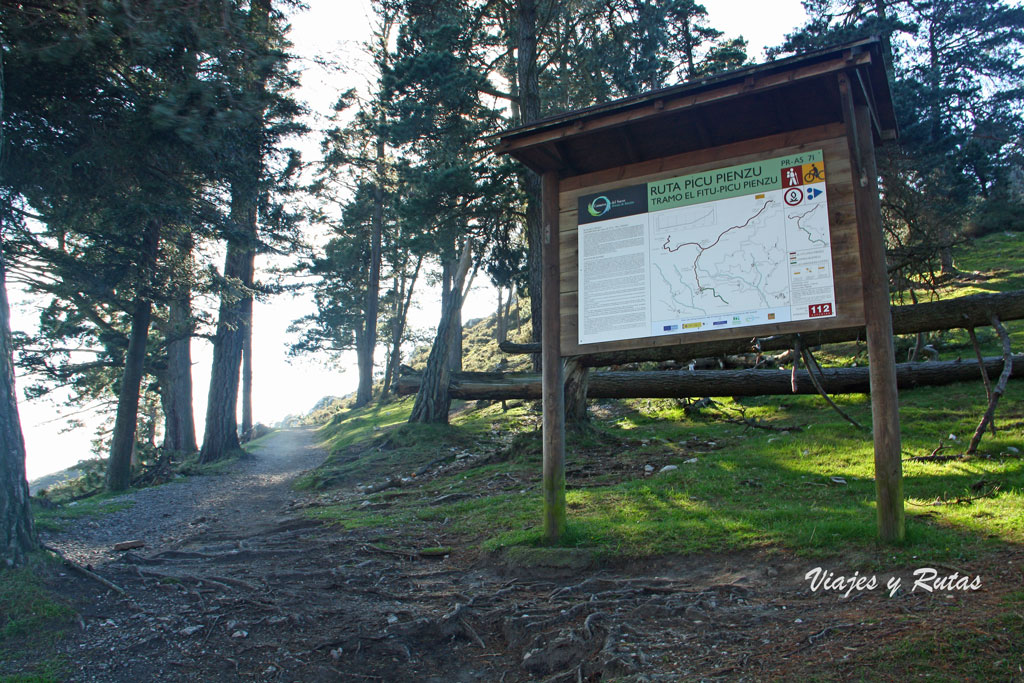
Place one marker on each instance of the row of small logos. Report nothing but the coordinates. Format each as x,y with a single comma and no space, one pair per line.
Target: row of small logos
695,326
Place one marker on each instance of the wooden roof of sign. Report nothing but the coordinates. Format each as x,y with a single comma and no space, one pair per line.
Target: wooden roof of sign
777,97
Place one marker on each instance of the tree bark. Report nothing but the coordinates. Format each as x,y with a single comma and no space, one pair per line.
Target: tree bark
433,399
17,532
247,369
496,386
363,359
221,433
398,324
500,323
691,67
220,436
881,11
455,341
576,381
994,394
508,311
534,239
119,465
176,384
364,394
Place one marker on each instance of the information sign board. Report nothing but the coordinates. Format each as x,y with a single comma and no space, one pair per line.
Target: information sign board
725,248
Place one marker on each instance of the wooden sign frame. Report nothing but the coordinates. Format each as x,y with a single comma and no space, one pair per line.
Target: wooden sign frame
836,100
831,139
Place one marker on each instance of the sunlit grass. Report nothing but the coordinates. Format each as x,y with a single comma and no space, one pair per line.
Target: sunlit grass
808,490
56,518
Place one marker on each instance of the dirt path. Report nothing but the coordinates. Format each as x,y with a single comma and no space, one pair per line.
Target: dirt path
235,504
236,584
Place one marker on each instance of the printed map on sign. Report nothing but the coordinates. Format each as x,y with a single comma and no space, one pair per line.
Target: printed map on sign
710,258
733,247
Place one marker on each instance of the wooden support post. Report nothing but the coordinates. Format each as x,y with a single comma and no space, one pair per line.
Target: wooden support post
885,416
552,379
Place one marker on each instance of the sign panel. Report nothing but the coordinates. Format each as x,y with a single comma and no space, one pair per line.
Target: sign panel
727,248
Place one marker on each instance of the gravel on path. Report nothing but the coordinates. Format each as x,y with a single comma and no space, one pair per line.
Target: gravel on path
255,490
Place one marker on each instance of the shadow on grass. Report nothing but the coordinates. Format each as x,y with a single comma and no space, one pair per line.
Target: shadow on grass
809,491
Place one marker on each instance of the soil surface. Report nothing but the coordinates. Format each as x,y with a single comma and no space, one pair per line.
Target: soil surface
235,583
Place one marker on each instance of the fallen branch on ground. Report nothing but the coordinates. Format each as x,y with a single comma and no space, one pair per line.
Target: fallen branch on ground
959,500
85,572
812,367
998,390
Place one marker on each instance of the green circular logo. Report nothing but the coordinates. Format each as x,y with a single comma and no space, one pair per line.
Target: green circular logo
599,206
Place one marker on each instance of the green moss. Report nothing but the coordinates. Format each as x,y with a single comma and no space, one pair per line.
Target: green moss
32,620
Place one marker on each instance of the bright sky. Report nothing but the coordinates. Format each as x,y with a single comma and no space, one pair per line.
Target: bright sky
333,31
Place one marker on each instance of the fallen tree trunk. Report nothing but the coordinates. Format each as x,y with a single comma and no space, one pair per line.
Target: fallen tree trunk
496,386
966,312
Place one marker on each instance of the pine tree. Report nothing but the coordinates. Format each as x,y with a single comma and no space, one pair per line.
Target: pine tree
258,100
955,68
106,154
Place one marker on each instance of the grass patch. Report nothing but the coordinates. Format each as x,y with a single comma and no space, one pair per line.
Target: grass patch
377,442
192,467
32,620
54,517
810,491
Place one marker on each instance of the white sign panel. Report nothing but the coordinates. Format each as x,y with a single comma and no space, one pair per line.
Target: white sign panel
727,248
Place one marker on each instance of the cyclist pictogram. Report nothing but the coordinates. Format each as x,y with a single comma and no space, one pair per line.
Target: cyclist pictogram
814,174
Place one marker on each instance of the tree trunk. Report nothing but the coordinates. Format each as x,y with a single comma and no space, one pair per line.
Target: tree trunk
500,326
946,261
508,310
17,532
247,370
455,341
179,420
398,323
529,108
119,466
887,59
947,232
149,426
364,366
576,381
496,386
433,399
531,183
394,351
363,360
372,307
691,67
221,434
